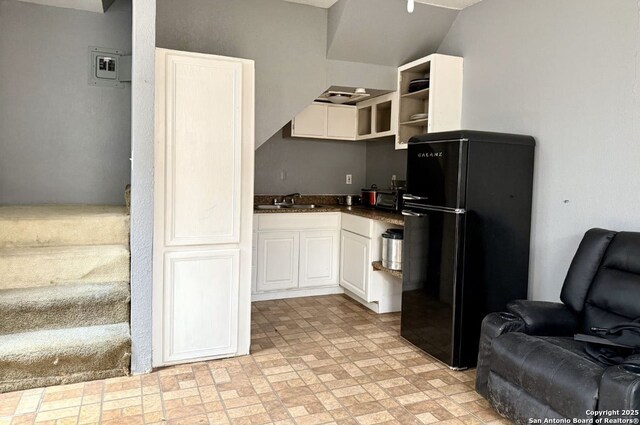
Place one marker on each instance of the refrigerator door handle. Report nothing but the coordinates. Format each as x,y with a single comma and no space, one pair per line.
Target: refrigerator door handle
433,209
409,197
412,214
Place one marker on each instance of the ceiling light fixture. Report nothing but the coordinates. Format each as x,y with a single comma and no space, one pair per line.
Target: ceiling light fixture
411,5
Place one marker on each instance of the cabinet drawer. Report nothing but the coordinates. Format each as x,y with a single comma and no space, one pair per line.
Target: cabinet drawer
298,221
358,225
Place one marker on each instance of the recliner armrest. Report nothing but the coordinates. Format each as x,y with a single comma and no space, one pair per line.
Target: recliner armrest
545,318
493,325
620,390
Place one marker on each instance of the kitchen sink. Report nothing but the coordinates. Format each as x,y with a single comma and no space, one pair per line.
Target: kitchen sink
270,207
287,207
305,207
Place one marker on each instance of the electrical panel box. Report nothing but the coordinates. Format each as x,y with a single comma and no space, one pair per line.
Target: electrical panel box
109,67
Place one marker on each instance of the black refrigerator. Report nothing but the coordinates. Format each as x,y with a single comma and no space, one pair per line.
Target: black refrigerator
466,242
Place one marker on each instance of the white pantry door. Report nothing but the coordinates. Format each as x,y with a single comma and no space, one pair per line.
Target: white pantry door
203,206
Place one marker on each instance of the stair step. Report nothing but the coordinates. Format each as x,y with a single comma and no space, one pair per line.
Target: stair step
63,306
56,225
63,356
29,267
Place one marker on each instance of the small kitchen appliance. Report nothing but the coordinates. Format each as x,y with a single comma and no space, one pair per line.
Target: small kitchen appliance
369,196
389,200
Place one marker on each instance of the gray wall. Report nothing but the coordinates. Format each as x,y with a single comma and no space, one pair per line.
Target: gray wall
383,161
286,40
565,72
319,166
61,140
142,160
355,74
312,166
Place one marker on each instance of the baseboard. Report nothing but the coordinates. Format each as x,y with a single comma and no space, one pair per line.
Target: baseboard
296,293
391,305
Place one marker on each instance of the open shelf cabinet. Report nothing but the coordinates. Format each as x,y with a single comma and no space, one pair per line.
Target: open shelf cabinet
375,117
441,101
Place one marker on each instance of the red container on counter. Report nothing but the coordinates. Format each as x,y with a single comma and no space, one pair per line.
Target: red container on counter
369,196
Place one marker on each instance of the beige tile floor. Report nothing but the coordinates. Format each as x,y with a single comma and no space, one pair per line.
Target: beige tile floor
320,360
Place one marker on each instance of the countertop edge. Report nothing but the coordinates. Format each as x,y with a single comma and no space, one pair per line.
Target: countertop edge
384,216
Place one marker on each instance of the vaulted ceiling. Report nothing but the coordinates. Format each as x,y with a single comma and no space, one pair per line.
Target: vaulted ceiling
382,32
449,4
98,6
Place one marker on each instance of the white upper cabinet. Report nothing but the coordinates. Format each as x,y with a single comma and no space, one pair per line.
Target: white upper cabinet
203,206
433,109
325,121
369,119
341,122
375,117
311,122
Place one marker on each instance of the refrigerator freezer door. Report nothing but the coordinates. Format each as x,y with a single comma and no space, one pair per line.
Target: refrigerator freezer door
431,292
436,173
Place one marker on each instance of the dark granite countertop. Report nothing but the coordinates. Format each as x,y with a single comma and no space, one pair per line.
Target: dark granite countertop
371,213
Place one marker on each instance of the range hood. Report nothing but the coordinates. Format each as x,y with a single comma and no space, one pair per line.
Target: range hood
344,97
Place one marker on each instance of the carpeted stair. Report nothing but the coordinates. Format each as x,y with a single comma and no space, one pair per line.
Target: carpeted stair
64,294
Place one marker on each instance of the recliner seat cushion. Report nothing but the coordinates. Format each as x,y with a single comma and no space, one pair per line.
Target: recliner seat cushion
555,371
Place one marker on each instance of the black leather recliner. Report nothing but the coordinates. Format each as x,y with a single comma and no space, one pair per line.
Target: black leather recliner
529,365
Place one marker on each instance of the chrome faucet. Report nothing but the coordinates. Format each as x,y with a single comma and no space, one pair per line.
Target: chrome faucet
284,203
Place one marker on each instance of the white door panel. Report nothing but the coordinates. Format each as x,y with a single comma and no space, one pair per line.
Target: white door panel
318,258
354,263
311,122
204,105
341,122
278,256
201,304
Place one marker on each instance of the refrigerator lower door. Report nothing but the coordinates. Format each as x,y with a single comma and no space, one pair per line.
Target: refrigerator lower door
431,288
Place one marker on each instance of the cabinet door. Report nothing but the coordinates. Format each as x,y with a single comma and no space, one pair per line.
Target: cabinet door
312,122
201,304
202,207
319,258
278,255
354,263
341,122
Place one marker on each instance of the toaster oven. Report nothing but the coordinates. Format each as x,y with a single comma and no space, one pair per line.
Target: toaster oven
389,200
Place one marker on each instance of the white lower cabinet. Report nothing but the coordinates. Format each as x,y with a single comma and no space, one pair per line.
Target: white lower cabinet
361,245
307,254
278,255
297,255
318,258
355,263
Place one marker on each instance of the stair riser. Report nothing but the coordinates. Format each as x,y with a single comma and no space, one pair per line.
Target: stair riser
23,271
8,385
111,230
30,371
35,319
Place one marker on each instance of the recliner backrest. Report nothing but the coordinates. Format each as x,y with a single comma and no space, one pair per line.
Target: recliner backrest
584,267
614,295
